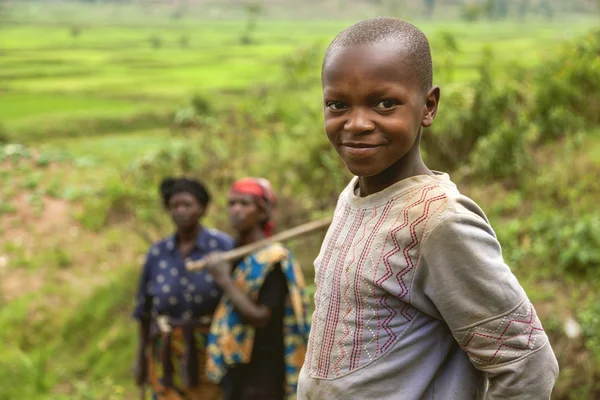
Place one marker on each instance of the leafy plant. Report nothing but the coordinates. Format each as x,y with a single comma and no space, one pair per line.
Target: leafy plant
471,11
252,10
566,87
184,41
590,324
155,42
75,31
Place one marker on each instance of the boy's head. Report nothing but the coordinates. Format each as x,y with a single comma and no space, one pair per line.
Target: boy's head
378,93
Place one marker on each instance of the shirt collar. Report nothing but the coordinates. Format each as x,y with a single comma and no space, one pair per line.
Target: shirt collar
202,240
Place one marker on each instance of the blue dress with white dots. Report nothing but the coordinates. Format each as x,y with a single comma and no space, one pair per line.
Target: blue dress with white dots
167,288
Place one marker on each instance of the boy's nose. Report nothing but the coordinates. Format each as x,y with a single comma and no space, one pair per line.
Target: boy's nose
359,122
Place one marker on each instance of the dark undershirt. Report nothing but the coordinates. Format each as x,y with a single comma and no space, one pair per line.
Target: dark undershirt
263,378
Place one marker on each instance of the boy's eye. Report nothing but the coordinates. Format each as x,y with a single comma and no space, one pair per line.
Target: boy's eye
385,104
336,105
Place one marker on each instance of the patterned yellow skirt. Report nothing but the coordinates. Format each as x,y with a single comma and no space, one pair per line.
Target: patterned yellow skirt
169,366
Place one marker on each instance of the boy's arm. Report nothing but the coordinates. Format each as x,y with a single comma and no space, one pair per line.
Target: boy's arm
465,279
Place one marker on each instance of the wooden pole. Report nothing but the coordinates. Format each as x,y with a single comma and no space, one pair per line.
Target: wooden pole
294,233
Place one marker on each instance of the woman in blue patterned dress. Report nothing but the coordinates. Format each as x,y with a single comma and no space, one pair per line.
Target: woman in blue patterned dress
174,306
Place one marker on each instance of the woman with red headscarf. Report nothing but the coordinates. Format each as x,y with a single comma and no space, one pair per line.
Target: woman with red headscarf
259,332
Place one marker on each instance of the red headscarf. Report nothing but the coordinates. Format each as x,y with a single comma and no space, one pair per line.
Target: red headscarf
262,191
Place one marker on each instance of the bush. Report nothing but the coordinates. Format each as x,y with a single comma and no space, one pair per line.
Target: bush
446,51
300,69
566,89
201,104
30,371
75,31
473,115
184,41
563,244
497,126
504,153
472,11
14,152
252,10
179,13
4,136
590,324
155,42
495,9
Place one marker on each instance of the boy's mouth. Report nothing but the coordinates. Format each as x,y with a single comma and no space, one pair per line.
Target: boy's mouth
360,149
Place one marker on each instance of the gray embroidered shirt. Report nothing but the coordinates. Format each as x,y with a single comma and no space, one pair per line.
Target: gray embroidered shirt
414,301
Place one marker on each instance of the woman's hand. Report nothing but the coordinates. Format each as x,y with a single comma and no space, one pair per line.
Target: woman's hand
219,268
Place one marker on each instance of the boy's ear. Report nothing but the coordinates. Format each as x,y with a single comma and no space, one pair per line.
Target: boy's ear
432,101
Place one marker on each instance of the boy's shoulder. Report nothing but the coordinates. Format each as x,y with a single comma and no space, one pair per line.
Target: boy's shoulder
441,206
422,201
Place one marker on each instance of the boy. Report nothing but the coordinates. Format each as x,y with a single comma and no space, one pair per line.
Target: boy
413,297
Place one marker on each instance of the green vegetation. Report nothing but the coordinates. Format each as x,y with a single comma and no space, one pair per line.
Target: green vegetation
98,111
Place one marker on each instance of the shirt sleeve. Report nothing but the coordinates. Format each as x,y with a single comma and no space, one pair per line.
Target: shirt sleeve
464,278
227,243
143,299
274,289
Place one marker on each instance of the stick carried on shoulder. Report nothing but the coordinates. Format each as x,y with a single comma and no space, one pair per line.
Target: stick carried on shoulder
243,251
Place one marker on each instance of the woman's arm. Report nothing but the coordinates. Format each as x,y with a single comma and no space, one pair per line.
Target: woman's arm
257,314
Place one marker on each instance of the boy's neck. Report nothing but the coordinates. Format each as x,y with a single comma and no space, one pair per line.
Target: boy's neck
408,166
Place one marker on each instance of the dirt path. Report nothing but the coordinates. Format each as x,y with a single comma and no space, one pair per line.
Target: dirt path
51,246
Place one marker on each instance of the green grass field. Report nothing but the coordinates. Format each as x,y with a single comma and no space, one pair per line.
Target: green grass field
89,106
48,74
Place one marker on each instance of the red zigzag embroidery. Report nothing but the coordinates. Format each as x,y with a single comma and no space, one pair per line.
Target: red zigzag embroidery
501,340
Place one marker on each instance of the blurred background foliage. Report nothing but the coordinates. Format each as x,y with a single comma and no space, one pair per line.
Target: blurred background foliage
99,100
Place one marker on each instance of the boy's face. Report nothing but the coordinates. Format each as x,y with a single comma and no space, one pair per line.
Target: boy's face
374,107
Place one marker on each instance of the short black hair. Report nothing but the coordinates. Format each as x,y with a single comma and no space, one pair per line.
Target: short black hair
389,30
171,186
